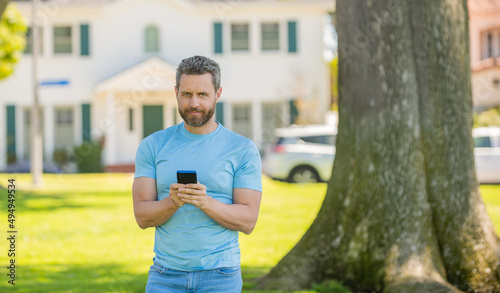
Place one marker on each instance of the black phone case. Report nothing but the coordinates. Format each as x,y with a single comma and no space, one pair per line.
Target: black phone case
186,177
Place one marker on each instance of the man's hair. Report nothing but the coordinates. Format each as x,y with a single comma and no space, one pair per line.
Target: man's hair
198,65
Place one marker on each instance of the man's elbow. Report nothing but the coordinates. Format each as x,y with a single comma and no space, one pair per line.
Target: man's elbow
142,224
248,229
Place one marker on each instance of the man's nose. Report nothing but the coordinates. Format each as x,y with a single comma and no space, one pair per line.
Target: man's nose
194,101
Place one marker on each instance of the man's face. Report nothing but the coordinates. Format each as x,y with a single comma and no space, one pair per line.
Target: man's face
197,98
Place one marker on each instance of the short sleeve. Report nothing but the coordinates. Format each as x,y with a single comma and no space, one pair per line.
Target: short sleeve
145,159
249,173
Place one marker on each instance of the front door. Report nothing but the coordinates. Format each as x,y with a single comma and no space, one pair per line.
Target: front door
152,119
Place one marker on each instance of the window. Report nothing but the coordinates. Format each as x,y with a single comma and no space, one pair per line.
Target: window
29,41
270,36
130,119
242,120
152,40
490,43
320,139
64,117
482,142
272,118
63,40
63,131
240,40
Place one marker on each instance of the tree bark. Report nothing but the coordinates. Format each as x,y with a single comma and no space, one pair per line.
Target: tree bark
3,5
403,212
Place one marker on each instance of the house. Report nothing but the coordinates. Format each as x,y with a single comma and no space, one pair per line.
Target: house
107,69
484,30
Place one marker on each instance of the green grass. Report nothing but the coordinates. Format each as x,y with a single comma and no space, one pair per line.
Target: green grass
78,233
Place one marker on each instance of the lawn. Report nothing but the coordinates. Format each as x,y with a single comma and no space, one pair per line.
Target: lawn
78,233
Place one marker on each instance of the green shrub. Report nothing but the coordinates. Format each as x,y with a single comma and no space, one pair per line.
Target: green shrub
490,117
61,156
88,156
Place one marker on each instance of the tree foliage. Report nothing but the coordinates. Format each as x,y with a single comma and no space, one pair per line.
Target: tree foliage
12,39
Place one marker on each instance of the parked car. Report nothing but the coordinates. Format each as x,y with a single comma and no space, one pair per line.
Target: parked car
306,154
301,154
487,154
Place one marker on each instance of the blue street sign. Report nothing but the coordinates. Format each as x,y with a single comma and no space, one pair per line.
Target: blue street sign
59,82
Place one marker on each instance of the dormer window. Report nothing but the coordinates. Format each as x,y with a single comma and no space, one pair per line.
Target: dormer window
152,39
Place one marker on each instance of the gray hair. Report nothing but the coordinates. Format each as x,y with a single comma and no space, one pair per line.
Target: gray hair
198,65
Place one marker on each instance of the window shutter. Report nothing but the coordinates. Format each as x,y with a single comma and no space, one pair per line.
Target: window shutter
219,112
86,122
294,112
218,38
11,133
292,36
84,40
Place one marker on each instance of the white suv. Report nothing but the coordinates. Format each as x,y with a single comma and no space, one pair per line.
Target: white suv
306,154
301,154
487,154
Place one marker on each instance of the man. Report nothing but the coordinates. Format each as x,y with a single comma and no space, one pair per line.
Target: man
196,225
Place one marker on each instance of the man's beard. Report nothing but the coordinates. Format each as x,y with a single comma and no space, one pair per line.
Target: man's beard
195,121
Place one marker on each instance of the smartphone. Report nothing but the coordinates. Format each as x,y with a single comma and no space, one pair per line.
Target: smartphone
186,176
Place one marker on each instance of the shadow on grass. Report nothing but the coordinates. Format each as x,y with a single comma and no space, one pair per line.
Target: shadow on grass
97,278
43,202
76,278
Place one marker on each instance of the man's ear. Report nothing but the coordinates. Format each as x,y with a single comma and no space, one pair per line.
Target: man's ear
218,93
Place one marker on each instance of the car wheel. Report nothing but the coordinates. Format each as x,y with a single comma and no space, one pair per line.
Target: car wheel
303,174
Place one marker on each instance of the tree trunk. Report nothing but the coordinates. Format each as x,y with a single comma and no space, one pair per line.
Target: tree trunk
3,5
403,212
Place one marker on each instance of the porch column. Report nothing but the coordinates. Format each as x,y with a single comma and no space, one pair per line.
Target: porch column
257,122
108,125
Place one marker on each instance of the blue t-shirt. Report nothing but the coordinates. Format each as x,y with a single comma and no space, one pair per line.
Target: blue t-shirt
223,160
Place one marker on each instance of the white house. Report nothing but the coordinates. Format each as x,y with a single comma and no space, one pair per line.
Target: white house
484,30
107,68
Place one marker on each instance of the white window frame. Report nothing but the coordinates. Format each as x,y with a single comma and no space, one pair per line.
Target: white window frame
74,40
261,35
495,43
158,39
249,39
249,121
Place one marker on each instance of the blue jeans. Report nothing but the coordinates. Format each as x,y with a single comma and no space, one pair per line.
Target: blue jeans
161,279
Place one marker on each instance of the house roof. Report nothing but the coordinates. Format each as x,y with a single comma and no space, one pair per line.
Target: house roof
484,6
153,74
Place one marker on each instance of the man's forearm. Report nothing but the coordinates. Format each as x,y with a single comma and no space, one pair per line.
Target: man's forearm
154,213
238,217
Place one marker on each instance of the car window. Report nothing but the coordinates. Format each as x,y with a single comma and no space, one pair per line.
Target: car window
287,140
482,142
320,139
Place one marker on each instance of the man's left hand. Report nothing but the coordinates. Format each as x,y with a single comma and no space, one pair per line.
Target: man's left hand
195,194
